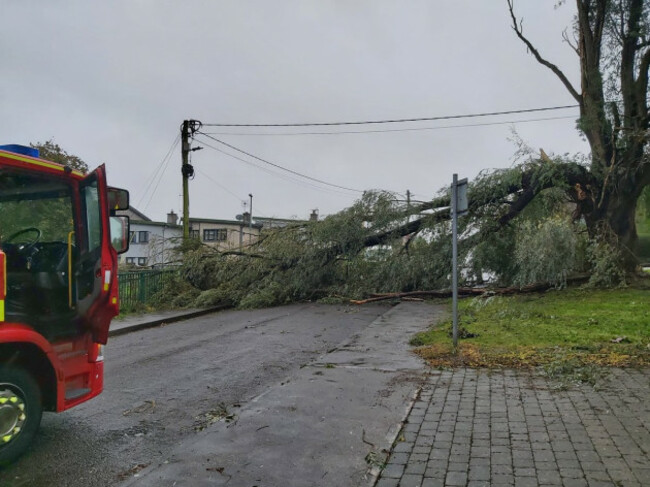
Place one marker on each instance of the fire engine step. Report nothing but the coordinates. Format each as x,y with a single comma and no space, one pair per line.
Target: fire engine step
75,393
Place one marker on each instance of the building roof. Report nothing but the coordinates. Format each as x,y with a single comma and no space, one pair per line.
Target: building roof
134,215
158,224
222,222
283,220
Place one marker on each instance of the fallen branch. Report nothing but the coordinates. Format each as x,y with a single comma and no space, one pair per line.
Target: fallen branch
467,292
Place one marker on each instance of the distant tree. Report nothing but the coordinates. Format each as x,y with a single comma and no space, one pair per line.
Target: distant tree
51,151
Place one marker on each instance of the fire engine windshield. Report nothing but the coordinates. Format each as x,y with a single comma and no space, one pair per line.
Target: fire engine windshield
36,223
34,208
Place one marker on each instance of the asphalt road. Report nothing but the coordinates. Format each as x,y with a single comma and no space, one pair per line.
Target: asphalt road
166,384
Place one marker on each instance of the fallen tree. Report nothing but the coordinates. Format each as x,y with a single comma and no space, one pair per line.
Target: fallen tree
538,221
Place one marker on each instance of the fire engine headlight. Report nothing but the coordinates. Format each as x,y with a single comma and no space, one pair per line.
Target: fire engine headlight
100,353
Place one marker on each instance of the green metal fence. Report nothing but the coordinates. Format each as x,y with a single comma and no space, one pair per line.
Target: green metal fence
138,287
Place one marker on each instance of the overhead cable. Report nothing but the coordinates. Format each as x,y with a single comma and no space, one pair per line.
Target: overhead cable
379,131
396,120
296,173
158,172
286,177
238,198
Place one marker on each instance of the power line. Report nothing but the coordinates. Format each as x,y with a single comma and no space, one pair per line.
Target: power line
162,173
397,120
279,166
155,174
412,129
238,198
273,173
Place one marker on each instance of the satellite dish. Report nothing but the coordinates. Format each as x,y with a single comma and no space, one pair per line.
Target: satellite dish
239,217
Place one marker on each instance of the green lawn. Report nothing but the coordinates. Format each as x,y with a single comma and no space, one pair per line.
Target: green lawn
539,328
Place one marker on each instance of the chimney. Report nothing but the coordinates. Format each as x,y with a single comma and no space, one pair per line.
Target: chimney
314,215
172,218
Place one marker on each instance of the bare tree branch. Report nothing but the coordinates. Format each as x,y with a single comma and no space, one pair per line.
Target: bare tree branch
518,30
565,36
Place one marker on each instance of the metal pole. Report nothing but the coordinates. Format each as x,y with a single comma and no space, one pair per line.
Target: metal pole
408,206
185,150
250,221
454,258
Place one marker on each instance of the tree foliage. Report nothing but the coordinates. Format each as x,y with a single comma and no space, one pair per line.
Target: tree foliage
51,151
380,244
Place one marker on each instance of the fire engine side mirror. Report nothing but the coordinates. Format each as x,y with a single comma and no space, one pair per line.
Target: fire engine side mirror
118,199
120,233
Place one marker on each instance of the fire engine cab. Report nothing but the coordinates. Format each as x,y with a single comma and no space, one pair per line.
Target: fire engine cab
59,240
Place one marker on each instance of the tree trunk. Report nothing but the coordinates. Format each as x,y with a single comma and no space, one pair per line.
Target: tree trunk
617,214
620,217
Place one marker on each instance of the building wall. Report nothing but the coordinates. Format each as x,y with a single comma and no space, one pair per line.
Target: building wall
151,243
224,235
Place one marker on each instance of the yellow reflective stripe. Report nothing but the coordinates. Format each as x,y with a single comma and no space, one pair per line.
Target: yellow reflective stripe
37,162
2,309
6,438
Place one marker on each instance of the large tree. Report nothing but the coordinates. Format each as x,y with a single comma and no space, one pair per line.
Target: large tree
612,42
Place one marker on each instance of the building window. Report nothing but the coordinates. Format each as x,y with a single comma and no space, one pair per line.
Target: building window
195,234
142,261
143,237
133,237
215,235
130,260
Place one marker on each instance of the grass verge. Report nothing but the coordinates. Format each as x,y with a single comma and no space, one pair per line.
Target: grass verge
577,326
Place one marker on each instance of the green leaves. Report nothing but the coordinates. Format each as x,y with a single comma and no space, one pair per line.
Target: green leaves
51,151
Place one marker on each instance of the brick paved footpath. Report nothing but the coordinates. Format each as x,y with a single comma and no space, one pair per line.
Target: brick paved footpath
475,427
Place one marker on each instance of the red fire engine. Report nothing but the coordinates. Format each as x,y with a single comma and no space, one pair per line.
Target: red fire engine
59,240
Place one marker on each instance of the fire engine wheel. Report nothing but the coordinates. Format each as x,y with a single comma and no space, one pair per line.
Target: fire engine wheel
20,412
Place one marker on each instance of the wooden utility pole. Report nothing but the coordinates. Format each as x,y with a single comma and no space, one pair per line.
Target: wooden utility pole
185,151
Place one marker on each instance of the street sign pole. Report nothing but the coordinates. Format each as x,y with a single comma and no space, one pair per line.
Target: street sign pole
454,258
459,206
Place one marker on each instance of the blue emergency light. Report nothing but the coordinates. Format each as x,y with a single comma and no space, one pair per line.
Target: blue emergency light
20,149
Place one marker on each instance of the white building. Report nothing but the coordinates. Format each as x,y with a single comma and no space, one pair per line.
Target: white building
152,243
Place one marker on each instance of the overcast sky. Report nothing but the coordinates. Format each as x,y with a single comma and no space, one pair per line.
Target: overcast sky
112,82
